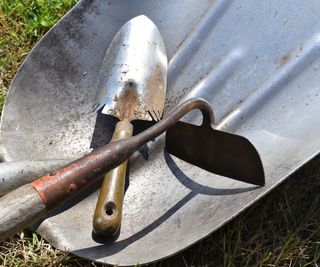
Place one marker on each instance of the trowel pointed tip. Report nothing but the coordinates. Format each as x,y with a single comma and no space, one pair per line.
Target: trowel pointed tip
145,25
143,18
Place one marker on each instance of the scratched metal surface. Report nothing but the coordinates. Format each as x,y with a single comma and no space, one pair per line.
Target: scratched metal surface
257,62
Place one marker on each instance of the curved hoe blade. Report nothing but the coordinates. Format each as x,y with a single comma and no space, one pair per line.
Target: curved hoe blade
136,59
218,152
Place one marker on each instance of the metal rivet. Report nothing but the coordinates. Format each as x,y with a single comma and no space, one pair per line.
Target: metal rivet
72,188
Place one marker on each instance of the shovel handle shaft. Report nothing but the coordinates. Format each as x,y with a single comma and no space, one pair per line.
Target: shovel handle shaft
108,212
19,208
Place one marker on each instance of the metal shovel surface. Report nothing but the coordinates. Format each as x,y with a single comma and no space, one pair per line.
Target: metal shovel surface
254,61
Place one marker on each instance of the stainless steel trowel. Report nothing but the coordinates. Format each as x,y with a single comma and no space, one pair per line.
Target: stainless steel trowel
131,86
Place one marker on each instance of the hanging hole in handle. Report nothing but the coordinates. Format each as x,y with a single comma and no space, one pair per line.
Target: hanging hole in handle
110,208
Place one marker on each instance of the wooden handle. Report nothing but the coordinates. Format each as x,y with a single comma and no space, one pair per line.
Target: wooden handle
19,209
108,212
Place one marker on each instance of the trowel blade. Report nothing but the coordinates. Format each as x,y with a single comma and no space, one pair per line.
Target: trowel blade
136,58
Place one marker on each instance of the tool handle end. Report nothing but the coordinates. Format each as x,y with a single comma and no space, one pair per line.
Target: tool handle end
19,209
108,213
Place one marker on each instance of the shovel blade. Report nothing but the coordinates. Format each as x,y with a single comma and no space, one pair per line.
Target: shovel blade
136,60
218,152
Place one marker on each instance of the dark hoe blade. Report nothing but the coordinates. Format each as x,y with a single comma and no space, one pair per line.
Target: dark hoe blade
218,152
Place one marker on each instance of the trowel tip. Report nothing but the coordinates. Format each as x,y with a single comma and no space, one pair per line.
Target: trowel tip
142,19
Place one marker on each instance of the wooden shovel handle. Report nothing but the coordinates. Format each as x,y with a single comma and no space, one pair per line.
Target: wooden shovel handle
108,213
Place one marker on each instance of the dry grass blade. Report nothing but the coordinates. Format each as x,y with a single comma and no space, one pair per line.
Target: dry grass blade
31,250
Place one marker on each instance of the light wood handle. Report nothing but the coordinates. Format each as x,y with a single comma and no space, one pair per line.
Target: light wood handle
19,209
108,213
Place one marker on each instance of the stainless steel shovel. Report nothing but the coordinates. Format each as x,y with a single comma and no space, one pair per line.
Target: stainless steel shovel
258,77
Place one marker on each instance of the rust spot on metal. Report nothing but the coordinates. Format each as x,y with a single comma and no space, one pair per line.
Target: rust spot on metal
126,102
284,60
156,92
59,186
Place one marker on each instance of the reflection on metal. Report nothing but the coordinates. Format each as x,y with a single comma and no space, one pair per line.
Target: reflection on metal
135,58
267,91
271,85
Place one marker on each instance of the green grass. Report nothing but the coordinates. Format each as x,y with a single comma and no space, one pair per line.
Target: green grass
22,23
282,229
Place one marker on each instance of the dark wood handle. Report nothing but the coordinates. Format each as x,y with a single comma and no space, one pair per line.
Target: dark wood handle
19,209
108,213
